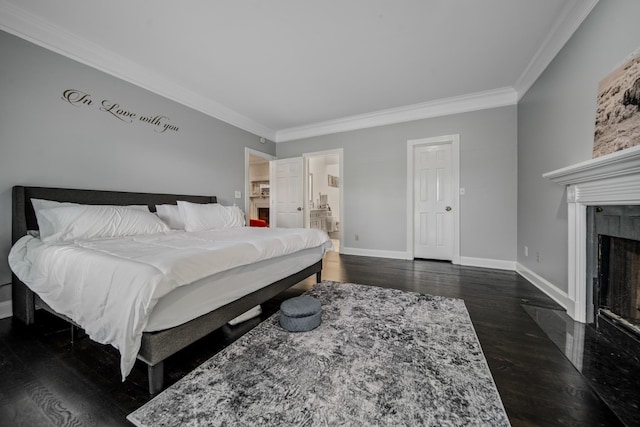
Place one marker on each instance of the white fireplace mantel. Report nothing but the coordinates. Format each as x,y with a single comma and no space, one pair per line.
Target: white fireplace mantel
613,179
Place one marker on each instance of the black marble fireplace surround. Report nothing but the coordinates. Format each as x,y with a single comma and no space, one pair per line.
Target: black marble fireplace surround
602,357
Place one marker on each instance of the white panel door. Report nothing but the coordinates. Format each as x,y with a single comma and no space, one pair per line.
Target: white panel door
433,219
286,197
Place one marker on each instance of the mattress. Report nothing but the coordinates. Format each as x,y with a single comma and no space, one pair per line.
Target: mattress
189,302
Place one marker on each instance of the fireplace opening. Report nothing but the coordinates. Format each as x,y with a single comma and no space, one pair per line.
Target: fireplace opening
263,213
619,278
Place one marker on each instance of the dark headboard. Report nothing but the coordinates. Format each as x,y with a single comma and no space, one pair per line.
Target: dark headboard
24,217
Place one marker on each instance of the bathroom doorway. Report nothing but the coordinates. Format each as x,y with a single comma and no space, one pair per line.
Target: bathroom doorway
324,193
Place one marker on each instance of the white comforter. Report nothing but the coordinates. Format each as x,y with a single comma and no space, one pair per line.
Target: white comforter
110,286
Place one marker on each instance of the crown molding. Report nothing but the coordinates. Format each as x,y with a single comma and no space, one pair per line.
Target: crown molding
443,107
568,21
25,25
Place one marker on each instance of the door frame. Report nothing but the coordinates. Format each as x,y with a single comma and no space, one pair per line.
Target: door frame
412,144
247,184
305,157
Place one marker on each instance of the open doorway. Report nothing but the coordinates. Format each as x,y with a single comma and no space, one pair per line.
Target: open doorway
257,200
324,193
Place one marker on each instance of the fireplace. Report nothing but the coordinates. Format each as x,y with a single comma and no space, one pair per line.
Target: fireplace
603,201
616,255
263,213
617,293
611,180
259,208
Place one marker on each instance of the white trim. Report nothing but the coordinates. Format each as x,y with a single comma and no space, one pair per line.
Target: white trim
375,253
454,140
6,309
25,25
442,107
497,264
544,285
568,21
620,163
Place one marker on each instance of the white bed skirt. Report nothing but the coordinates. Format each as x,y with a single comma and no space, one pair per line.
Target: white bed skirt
191,301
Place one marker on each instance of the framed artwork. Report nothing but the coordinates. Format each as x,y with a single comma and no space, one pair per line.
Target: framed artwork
333,181
618,114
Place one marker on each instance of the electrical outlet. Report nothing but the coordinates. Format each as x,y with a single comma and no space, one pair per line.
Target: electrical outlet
357,236
238,194
526,251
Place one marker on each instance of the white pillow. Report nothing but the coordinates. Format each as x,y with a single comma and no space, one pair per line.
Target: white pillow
46,228
170,214
200,217
237,216
94,221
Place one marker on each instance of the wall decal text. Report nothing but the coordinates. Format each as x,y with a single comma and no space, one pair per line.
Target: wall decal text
79,98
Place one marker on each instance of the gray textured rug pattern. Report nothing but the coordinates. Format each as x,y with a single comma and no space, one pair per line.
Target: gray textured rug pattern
379,357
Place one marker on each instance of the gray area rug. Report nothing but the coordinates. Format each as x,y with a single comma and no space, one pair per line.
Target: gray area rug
379,357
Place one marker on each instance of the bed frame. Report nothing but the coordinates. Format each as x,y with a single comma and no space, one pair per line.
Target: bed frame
156,346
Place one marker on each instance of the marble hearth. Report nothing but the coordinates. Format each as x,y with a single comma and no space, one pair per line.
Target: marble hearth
609,180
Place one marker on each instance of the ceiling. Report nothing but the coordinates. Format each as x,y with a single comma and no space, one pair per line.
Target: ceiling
289,69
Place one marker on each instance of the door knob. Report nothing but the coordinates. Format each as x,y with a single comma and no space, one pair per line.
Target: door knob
448,208
299,208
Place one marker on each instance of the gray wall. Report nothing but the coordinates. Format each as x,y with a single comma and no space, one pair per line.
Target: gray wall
555,129
48,142
375,180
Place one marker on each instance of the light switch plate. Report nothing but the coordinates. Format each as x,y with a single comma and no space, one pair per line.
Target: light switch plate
238,195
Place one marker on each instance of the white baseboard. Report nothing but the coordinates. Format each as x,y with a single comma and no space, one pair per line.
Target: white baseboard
6,309
374,253
544,285
488,263
539,282
467,261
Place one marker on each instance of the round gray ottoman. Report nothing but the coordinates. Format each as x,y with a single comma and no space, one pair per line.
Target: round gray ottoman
300,314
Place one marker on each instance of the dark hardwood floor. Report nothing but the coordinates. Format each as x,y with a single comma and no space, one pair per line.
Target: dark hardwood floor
46,380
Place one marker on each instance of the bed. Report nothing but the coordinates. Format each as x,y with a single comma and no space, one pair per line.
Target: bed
165,337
